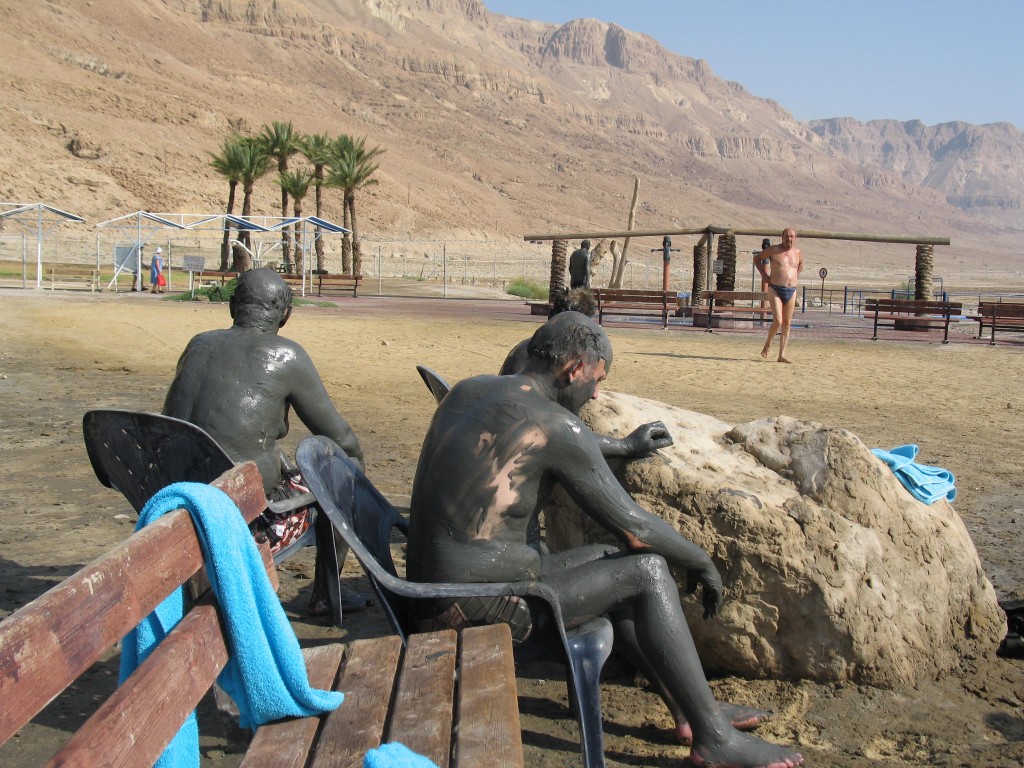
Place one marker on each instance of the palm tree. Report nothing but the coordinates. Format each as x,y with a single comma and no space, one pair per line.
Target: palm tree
296,183
924,270
351,168
317,149
229,164
281,142
256,163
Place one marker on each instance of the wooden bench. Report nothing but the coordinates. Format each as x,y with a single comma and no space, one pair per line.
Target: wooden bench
391,693
326,284
912,315
998,315
71,276
726,305
208,276
623,301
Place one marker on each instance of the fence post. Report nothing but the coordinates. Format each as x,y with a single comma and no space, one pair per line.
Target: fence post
444,270
803,300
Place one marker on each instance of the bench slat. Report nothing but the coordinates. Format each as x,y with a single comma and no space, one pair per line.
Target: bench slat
47,644
357,726
287,743
489,731
140,718
426,685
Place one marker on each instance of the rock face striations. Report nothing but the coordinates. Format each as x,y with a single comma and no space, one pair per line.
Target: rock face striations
115,105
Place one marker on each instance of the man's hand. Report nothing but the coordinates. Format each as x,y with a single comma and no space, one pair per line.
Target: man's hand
647,438
711,594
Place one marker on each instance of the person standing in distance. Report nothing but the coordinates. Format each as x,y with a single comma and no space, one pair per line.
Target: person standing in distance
780,267
579,266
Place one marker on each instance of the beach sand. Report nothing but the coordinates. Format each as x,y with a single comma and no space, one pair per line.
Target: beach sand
66,352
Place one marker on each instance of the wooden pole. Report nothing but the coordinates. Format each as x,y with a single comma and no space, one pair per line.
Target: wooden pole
714,230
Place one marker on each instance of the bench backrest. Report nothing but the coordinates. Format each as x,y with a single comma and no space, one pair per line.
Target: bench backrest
911,306
733,296
634,295
1004,309
46,645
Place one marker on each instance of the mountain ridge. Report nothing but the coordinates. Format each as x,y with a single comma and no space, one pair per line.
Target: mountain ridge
492,125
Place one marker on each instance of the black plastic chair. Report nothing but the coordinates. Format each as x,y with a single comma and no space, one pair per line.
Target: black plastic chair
365,519
139,453
438,387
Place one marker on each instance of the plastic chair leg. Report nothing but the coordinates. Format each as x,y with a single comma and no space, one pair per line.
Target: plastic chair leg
589,647
327,561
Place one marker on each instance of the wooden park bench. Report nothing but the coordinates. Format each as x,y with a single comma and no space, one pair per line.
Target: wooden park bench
73,276
450,698
325,284
912,315
623,301
998,315
210,276
749,306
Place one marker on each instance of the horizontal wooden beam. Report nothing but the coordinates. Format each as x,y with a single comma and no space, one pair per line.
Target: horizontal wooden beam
716,230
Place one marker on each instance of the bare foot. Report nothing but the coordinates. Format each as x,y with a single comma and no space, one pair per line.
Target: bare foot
741,750
742,718
764,353
784,359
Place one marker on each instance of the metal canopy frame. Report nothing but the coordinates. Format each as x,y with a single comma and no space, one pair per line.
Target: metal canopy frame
198,222
40,216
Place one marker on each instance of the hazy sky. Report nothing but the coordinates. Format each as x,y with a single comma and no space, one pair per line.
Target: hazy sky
931,60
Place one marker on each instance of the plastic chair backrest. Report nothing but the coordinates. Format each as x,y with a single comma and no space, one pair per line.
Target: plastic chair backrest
139,453
438,387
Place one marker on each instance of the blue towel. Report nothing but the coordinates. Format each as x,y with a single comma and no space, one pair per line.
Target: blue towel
395,755
265,674
925,483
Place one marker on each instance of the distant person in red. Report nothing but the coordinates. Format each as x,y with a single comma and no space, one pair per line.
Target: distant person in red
780,267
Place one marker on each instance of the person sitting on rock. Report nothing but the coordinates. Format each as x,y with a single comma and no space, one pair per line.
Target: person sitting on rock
239,383
494,450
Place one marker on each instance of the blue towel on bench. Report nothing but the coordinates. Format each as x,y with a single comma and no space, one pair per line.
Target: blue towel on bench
265,674
925,483
395,755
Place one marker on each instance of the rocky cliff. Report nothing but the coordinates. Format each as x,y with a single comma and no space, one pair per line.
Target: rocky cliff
492,125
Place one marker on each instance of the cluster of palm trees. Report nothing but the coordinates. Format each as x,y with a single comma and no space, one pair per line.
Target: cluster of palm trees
343,163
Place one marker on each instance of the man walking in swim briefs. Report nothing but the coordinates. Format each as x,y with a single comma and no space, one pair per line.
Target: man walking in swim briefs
780,267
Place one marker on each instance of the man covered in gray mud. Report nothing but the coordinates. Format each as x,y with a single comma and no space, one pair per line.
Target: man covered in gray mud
494,451
239,383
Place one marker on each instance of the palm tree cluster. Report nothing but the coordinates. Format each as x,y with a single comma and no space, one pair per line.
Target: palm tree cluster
343,163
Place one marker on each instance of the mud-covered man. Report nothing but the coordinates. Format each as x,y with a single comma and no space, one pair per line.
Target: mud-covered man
239,384
495,449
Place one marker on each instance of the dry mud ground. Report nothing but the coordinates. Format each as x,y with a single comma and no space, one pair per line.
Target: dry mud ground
64,353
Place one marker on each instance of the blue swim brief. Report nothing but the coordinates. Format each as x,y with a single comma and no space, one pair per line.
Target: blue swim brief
784,291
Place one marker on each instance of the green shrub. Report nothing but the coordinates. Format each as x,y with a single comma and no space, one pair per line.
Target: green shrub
526,289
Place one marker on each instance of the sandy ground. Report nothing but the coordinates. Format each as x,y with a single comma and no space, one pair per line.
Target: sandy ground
62,354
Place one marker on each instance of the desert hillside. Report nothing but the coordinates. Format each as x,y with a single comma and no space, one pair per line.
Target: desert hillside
493,127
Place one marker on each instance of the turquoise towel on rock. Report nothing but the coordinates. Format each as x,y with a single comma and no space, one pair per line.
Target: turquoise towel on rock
265,674
395,755
925,483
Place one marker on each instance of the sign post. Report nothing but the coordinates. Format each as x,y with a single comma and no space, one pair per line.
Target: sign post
823,273
193,264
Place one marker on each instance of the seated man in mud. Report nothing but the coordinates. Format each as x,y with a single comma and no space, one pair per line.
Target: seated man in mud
646,438
494,450
239,383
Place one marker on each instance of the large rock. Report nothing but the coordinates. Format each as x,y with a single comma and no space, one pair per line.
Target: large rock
833,571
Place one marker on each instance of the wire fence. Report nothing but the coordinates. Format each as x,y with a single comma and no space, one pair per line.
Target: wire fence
487,263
